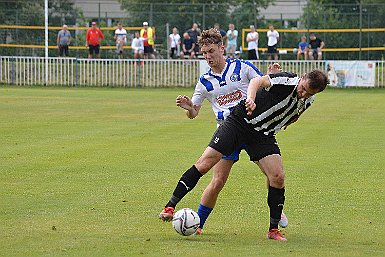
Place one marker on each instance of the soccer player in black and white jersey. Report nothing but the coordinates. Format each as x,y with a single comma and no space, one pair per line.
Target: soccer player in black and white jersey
224,86
273,102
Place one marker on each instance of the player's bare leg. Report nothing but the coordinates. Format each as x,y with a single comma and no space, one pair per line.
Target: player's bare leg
189,179
209,198
273,168
221,172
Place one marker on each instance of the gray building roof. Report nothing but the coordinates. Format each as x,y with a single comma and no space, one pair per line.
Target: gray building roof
108,8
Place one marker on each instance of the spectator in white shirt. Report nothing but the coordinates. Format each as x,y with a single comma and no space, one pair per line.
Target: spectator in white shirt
137,46
174,43
273,38
252,44
121,38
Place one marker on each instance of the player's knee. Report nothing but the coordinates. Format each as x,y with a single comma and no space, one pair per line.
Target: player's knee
217,184
203,165
277,179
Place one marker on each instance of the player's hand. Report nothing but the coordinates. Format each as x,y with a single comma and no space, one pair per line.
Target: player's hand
250,106
274,68
184,102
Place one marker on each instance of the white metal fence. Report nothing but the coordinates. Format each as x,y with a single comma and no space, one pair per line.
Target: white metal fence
127,73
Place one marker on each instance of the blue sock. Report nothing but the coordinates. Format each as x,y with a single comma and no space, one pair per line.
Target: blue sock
203,213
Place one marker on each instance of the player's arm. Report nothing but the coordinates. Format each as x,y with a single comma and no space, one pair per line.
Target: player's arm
185,102
254,86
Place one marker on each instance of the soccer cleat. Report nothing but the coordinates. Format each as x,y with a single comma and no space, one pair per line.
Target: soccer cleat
284,221
276,235
167,214
198,232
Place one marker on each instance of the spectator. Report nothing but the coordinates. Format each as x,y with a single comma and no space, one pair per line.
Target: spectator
188,46
252,44
93,38
273,38
121,39
223,33
137,46
174,43
148,34
194,33
316,45
332,75
231,45
303,48
63,41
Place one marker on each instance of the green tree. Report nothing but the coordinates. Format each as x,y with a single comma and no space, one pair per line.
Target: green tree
31,13
346,14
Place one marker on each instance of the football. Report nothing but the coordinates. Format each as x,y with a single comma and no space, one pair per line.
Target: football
186,222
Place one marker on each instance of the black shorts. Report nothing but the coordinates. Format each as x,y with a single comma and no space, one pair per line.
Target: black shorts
148,49
189,53
63,50
230,135
252,55
272,49
94,49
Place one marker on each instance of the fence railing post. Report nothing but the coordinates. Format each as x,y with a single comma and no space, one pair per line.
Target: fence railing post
13,71
76,72
139,65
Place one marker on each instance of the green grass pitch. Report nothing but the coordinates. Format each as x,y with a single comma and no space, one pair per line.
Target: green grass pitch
85,172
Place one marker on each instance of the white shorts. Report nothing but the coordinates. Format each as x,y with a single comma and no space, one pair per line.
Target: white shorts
140,51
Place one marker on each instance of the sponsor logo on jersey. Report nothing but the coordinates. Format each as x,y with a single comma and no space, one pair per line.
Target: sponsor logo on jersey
228,98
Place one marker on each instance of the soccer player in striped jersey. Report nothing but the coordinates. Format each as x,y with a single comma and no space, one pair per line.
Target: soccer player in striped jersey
224,86
273,102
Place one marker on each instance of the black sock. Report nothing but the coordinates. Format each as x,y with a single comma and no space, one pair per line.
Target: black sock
186,183
275,200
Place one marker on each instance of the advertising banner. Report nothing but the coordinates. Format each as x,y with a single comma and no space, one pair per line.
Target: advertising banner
351,73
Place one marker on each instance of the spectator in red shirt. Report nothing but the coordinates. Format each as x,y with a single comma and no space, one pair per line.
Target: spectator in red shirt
148,34
93,38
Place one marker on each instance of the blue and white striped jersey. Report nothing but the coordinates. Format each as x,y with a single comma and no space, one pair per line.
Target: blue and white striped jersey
224,91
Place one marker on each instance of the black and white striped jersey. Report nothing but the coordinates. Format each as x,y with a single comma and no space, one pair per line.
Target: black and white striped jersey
277,105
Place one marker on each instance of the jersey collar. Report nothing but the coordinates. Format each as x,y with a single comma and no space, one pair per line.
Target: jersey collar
222,79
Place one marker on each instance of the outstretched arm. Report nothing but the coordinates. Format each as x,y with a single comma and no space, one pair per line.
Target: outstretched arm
185,102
